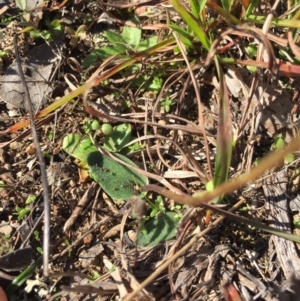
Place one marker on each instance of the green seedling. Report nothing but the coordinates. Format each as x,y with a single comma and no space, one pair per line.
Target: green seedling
39,250
279,144
117,180
95,275
36,235
167,103
69,247
50,135
128,41
22,212
296,223
156,207
30,199
76,36
5,245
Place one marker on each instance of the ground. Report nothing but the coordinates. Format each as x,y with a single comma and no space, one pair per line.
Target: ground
186,117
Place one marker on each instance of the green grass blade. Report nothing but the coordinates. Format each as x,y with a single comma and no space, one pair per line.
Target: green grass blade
224,137
20,279
193,23
224,13
197,7
226,4
252,5
290,23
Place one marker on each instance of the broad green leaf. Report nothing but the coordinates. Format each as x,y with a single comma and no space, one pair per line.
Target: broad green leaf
117,180
118,138
159,229
118,42
132,36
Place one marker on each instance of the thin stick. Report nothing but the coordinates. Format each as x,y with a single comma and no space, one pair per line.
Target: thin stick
42,165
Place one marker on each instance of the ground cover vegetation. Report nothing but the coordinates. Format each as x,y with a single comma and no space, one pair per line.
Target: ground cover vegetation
149,150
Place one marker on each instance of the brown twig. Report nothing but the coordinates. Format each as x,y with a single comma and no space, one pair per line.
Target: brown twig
46,242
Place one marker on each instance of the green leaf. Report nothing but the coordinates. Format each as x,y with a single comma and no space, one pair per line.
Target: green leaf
30,199
132,36
226,4
117,180
278,142
79,147
224,136
196,8
21,4
116,40
101,53
147,43
23,212
252,5
192,22
158,229
91,125
289,158
118,138
185,37
252,50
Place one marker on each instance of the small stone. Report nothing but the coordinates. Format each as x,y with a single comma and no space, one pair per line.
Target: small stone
6,229
30,149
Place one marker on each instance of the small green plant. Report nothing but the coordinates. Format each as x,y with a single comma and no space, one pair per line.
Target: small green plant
117,180
279,144
36,235
5,245
129,40
296,223
22,212
95,275
157,206
123,45
178,209
39,250
76,36
167,103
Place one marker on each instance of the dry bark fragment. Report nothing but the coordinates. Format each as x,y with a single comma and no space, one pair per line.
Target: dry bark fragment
275,189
